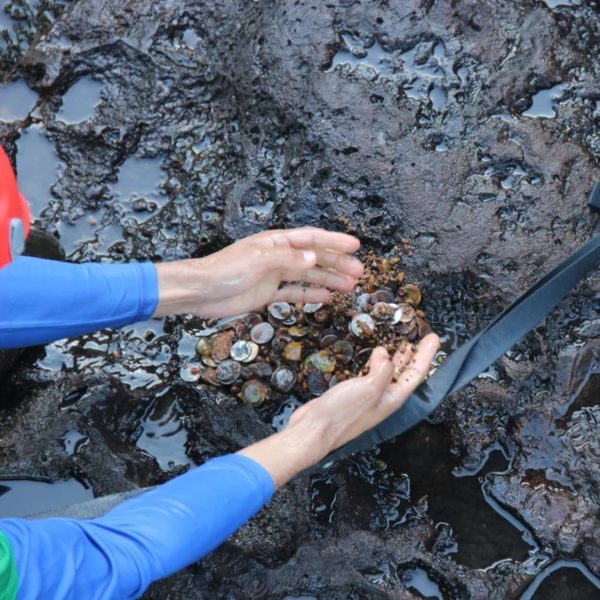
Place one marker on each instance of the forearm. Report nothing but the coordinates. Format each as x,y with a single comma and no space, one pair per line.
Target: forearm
43,300
302,444
144,539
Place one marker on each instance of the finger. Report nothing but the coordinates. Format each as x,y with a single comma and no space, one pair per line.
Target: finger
413,374
380,371
343,263
284,258
316,238
323,278
402,358
300,293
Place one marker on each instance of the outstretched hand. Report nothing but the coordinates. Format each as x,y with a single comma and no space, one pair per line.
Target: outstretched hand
345,411
248,274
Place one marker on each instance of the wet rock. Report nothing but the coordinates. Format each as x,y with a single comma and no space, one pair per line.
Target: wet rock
401,122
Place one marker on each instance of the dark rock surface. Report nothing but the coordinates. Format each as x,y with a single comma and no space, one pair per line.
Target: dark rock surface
197,123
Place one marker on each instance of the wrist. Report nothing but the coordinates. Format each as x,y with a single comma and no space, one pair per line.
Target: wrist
289,452
175,295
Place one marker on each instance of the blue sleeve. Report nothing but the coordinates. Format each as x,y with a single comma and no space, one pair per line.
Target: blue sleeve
44,300
142,540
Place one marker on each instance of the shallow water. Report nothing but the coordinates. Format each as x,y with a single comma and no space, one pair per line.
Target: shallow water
80,101
420,80
564,580
138,186
37,168
163,434
543,104
559,3
21,497
458,498
417,580
16,100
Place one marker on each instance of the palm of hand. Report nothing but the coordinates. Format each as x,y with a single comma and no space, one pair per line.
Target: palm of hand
248,274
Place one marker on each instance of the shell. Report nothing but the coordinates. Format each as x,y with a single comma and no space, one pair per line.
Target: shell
209,362
244,351
407,315
298,331
220,346
279,343
293,351
362,302
328,337
362,326
209,376
310,308
262,333
284,379
382,295
323,361
383,311
203,346
254,392
316,383
260,370
281,310
190,372
343,351
410,294
228,372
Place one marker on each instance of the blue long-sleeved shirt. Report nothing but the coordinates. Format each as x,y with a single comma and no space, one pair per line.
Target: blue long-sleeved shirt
152,535
45,300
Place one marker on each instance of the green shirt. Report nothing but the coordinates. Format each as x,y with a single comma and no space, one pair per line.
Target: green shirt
9,581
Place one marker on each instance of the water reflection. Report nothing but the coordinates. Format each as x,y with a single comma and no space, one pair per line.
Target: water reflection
80,101
37,168
21,497
16,100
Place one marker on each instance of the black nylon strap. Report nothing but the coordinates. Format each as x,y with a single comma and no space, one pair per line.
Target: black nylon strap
477,354
594,198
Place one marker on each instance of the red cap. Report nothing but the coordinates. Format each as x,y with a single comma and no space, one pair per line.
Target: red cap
14,214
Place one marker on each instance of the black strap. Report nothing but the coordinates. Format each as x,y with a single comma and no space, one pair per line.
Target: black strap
477,354
594,197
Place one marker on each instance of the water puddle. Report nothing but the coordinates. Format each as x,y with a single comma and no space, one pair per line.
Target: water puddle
6,22
84,230
323,496
138,186
418,474
73,441
559,3
141,355
80,101
417,580
283,414
16,100
425,72
564,580
455,497
544,102
136,354
190,38
163,434
22,497
588,396
37,168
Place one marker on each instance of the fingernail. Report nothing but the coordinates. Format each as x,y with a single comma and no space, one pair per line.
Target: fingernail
309,256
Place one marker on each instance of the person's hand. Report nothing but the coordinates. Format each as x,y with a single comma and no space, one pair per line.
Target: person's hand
345,411
247,275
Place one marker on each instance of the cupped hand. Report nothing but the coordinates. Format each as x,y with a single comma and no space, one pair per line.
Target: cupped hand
248,274
345,411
